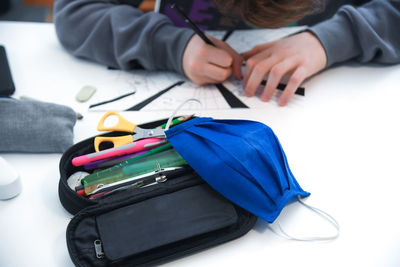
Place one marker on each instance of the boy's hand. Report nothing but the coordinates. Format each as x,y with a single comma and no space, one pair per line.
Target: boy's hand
300,56
203,63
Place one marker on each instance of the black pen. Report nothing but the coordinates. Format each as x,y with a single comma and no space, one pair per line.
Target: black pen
191,24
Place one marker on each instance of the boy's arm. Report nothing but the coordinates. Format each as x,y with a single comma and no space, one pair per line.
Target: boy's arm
369,33
120,35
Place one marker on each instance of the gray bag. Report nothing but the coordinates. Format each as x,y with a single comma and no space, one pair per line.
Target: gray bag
34,126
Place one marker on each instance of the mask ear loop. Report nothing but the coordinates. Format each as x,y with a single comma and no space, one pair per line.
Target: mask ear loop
282,232
320,213
178,108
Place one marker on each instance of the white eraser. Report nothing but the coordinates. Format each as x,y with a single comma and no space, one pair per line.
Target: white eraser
10,182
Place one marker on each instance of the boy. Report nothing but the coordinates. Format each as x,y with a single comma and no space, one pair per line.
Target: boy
119,35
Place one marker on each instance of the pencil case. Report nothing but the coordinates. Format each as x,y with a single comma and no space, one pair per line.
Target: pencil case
150,225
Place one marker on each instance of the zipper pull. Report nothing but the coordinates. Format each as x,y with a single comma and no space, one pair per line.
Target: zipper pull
99,249
161,178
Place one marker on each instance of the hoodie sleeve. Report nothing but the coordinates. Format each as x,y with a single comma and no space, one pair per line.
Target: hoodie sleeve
369,33
120,35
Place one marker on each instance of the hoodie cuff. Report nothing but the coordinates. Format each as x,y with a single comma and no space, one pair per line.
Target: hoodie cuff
168,45
337,37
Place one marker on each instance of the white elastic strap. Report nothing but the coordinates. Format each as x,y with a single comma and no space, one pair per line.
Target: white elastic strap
178,108
319,212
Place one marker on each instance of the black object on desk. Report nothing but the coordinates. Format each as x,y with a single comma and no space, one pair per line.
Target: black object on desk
4,6
147,101
281,86
6,82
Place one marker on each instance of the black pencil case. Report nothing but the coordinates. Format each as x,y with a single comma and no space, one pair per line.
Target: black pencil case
150,225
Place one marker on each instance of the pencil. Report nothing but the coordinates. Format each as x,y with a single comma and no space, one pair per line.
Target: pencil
191,24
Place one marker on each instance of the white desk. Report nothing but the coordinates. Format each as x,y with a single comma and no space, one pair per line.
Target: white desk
341,140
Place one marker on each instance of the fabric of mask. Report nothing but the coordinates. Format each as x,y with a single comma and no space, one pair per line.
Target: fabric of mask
243,160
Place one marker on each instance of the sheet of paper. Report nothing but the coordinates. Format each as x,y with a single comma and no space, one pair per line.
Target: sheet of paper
147,84
244,40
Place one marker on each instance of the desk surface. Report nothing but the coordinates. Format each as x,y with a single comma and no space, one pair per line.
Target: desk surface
341,140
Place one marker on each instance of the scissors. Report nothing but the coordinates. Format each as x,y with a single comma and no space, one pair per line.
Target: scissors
123,125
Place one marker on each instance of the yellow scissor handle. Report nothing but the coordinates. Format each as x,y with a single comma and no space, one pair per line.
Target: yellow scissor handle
117,141
123,125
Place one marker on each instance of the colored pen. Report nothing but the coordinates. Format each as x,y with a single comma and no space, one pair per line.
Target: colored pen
176,121
110,161
99,177
168,158
130,148
103,163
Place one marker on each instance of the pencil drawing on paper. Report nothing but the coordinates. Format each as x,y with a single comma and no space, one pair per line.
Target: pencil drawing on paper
148,85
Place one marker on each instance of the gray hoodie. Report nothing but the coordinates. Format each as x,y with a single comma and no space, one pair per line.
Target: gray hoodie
121,36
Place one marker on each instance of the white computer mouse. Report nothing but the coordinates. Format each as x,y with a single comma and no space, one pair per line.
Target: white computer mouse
10,182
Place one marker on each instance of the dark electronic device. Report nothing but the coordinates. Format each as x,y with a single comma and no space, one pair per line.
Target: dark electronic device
7,87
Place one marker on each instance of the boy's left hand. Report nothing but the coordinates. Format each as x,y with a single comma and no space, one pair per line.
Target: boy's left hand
300,55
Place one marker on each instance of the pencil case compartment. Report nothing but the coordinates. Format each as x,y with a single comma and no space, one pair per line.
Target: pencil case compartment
150,225
154,228
70,200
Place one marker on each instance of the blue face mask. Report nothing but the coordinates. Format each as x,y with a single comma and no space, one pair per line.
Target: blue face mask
243,160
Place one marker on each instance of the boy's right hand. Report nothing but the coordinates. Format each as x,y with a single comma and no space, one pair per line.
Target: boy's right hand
204,63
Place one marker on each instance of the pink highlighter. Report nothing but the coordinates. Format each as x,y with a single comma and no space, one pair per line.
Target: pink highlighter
140,145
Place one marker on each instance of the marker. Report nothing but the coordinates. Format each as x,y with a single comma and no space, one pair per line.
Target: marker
101,164
140,145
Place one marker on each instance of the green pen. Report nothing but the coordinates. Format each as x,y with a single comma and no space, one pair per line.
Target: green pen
166,159
176,121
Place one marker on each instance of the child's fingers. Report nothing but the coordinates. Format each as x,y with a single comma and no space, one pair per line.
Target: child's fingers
237,61
216,74
203,63
298,76
257,75
218,57
237,58
250,64
275,75
255,50
250,53
237,67
253,64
